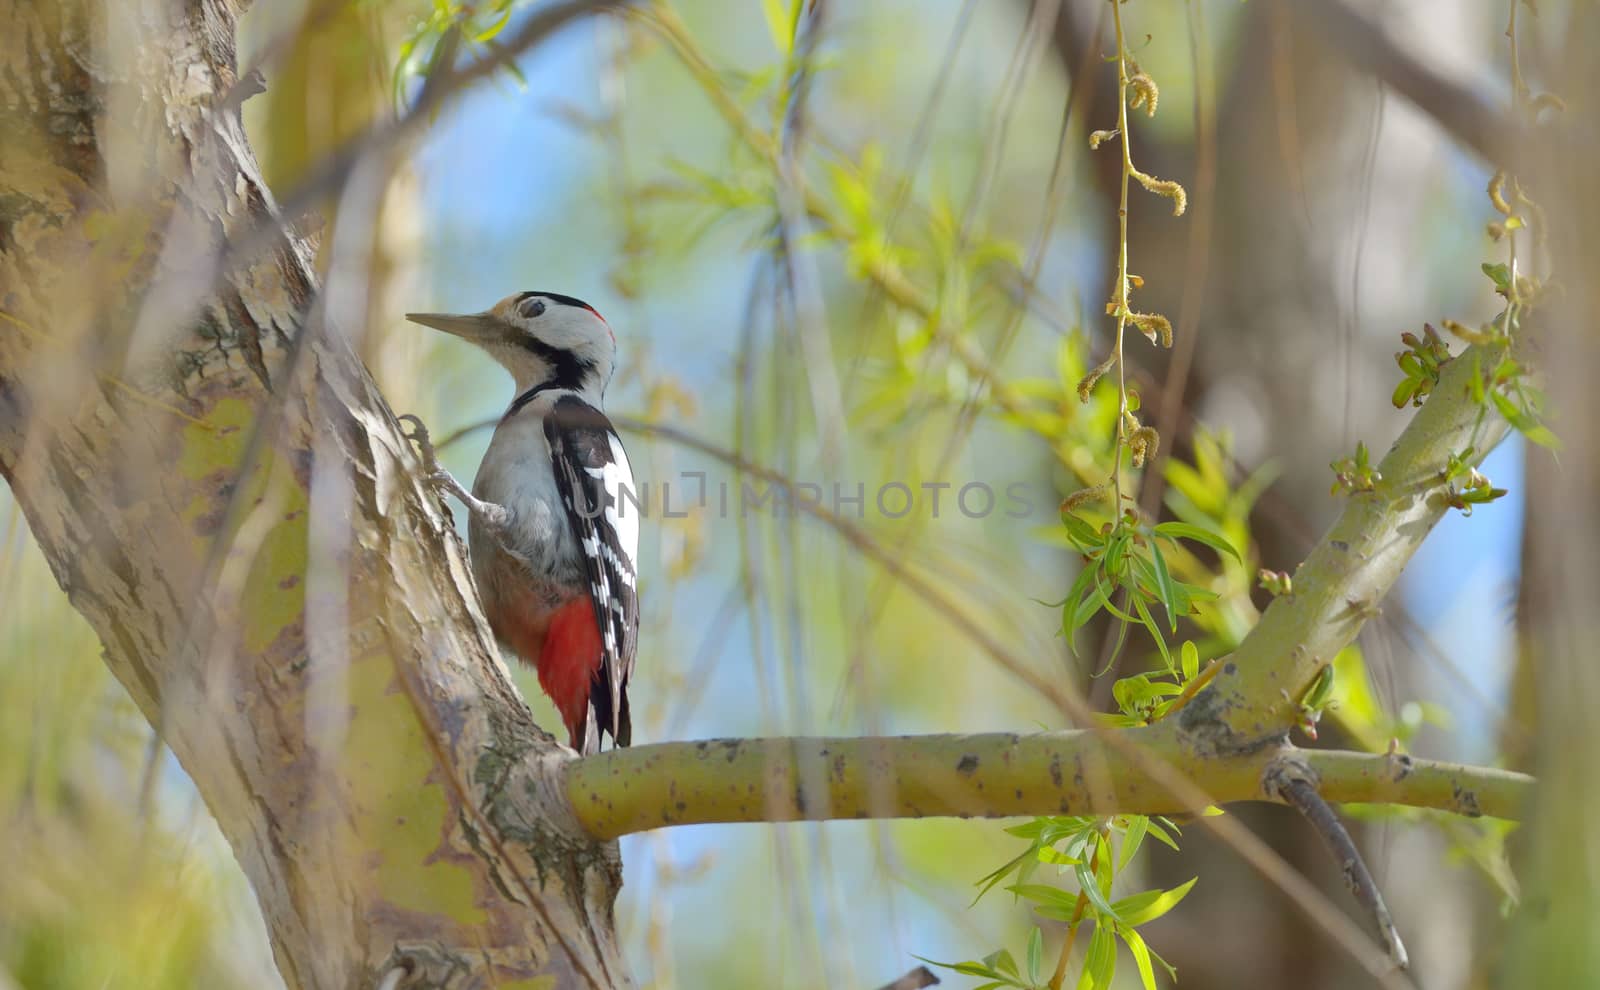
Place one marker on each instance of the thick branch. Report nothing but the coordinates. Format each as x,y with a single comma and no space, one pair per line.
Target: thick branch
992,776
1462,110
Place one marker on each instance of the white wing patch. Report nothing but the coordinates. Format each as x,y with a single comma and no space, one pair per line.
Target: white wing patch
622,507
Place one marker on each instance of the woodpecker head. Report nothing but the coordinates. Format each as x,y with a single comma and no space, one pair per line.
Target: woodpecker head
542,338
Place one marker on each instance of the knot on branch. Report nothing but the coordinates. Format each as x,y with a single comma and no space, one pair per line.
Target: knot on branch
1205,727
1285,775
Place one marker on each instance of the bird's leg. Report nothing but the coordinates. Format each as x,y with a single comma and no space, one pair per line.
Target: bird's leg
494,517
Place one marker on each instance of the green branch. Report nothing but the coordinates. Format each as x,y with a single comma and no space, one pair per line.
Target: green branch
1340,584
994,775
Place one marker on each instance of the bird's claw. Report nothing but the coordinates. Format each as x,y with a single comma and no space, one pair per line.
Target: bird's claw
432,472
418,434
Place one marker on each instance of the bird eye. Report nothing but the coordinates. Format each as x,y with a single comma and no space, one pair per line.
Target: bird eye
531,308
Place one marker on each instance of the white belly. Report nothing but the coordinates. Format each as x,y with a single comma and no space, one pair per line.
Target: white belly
538,555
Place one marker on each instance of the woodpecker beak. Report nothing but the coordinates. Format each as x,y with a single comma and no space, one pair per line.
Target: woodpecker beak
476,327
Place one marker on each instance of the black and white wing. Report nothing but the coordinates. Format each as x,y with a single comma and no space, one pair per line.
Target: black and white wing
598,491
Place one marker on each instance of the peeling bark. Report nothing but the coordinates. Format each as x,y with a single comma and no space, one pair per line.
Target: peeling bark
222,493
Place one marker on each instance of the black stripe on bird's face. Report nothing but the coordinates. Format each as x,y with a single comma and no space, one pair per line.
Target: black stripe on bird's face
567,370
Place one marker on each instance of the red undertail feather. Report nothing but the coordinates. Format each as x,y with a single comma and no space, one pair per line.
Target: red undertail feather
567,665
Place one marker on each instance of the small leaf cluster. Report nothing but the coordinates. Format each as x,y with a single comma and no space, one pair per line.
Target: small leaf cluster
1083,846
1353,475
1421,363
1465,485
1150,697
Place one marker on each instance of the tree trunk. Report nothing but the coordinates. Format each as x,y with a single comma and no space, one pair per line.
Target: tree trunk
222,493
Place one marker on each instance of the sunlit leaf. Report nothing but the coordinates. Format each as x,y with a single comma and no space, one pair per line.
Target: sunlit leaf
777,25
1100,962
1158,563
1089,883
1138,826
1156,829
1141,956
1176,530
1042,893
1525,423
1142,908
1155,632
1189,660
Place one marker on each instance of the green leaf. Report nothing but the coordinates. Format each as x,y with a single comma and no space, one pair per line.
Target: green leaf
1084,535
1089,883
1189,659
1043,893
1070,620
494,27
1176,530
1001,960
974,968
1105,594
1162,836
1055,857
1169,595
987,883
1142,908
1116,549
1100,962
1138,825
1195,593
777,24
988,972
1035,954
1141,956
1155,632
1499,274
1525,423
1081,613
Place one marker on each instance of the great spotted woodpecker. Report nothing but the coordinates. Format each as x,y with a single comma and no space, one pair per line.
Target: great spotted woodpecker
552,536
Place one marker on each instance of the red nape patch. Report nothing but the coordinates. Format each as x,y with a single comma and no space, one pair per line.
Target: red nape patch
567,663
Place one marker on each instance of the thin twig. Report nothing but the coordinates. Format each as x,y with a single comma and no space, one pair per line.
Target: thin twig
1295,784
917,979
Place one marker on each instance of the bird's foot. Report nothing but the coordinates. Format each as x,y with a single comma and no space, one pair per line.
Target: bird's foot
495,517
436,476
